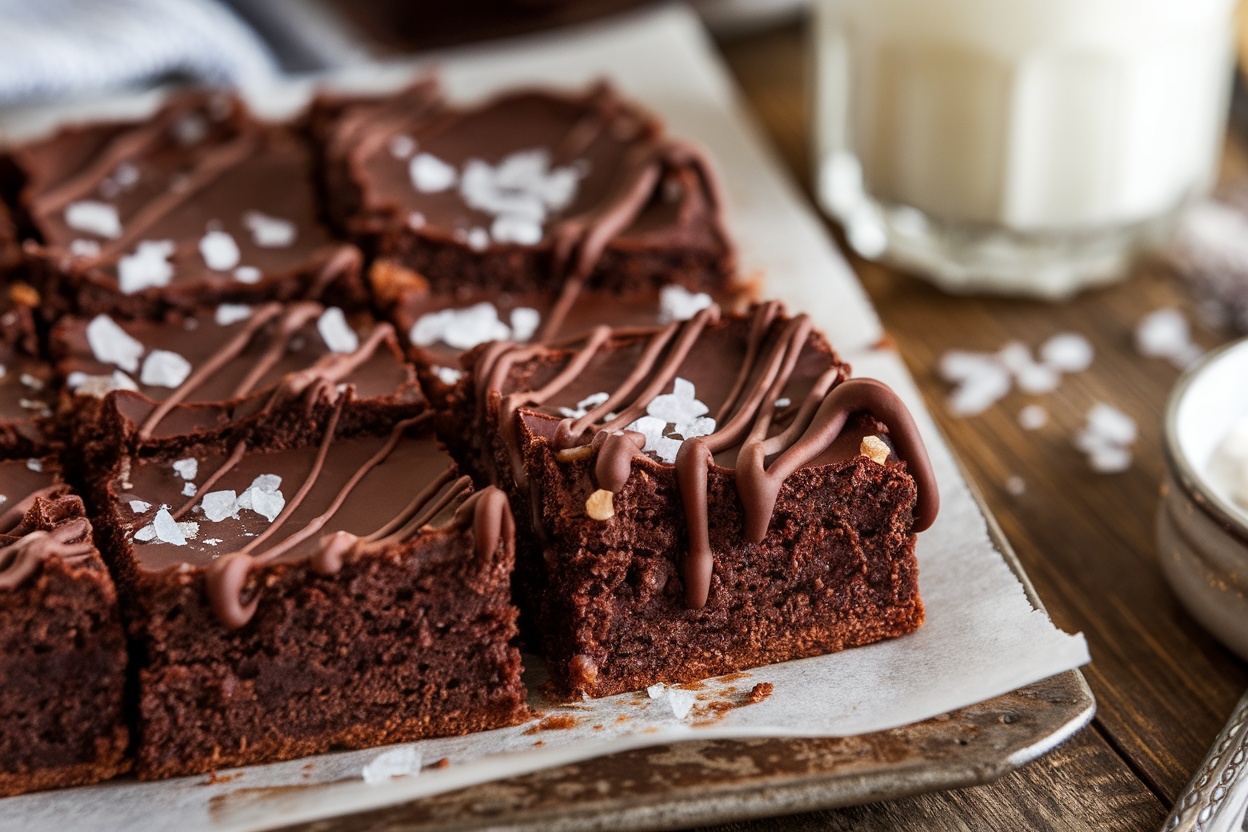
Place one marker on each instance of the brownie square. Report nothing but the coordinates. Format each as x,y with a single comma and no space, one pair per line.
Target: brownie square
270,371
62,650
349,592
526,191
27,392
196,205
709,496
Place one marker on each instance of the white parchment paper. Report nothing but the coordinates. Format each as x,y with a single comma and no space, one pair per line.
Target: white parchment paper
982,637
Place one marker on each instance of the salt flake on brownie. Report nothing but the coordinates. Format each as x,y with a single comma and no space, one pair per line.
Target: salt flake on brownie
163,368
148,267
269,232
110,344
337,334
93,217
219,250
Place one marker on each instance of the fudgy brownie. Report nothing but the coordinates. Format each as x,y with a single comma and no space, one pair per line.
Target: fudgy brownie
273,370
10,248
706,496
525,192
197,205
26,381
62,650
347,592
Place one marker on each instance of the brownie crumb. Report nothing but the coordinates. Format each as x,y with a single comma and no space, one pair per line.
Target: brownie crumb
445,762
760,692
554,722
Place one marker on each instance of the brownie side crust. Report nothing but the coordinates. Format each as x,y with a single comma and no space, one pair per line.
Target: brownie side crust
62,650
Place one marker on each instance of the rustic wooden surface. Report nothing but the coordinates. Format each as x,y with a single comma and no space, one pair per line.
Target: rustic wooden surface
1163,685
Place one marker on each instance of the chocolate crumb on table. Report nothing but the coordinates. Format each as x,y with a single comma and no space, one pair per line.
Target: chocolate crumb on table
760,692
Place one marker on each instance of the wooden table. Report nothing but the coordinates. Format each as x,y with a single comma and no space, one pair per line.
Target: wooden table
1163,685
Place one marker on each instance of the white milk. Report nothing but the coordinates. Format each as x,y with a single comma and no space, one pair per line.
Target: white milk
1027,116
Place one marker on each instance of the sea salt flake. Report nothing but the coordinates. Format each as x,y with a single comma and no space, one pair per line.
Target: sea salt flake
232,313
657,691
213,541
218,505
99,386
653,428
584,406
189,489
784,402
1016,485
146,533
397,762
337,334
478,239
169,530
84,248
126,174
981,388
110,344
1033,417
219,250
139,506
32,382
263,497
1112,424
247,274
268,231
676,303
431,175
190,129
515,228
163,368
522,185
1110,460
524,323
187,469
447,375
681,701
1067,352
1165,333
35,465
680,405
460,328
148,266
402,146
94,217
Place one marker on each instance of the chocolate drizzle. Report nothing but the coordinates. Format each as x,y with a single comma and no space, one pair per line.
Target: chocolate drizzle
768,449
69,541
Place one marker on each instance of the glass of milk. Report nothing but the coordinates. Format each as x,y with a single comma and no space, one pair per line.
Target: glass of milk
1017,146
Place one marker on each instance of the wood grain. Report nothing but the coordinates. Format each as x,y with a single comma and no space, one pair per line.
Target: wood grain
1164,686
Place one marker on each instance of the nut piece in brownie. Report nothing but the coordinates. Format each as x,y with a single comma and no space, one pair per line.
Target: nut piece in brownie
710,495
196,205
349,592
63,656
26,381
524,192
142,386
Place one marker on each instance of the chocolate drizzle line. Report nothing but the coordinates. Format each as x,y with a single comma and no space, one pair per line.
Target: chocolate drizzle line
486,512
744,422
20,559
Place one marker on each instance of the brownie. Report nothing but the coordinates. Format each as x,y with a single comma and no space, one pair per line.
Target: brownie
524,192
26,381
341,593
707,496
197,205
63,660
10,246
146,386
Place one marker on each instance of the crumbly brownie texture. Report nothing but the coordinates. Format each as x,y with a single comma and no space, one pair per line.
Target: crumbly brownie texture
530,191
347,593
10,249
702,497
271,371
26,381
195,206
62,651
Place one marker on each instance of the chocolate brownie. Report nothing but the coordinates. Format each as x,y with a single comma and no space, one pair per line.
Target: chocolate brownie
707,496
524,192
63,660
197,205
26,381
10,247
343,593
143,386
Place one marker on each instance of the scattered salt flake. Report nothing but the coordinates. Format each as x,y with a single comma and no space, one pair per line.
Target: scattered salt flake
524,323
139,506
99,386
431,175
1016,485
263,497
1165,333
218,505
402,146
980,389
522,184
397,762
514,228
146,267
653,428
35,465
247,274
163,368
110,344
1030,376
1067,352
146,533
681,701
32,382
126,174
337,334
84,248
584,406
478,239
1110,460
189,489
1033,417
213,541
462,329
447,375
232,313
190,129
268,231
1106,439
169,530
219,251
657,691
93,217
676,303
783,402
680,405
187,469
1112,424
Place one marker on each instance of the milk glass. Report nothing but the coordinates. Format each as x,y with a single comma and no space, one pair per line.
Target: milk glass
1017,146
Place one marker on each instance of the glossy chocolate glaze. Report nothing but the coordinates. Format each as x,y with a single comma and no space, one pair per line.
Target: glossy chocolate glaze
198,165
741,368
22,549
275,351
371,490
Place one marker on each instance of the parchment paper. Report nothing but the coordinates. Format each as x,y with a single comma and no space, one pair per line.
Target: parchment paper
982,637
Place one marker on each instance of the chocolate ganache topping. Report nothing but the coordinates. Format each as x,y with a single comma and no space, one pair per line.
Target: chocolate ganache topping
779,398
230,513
